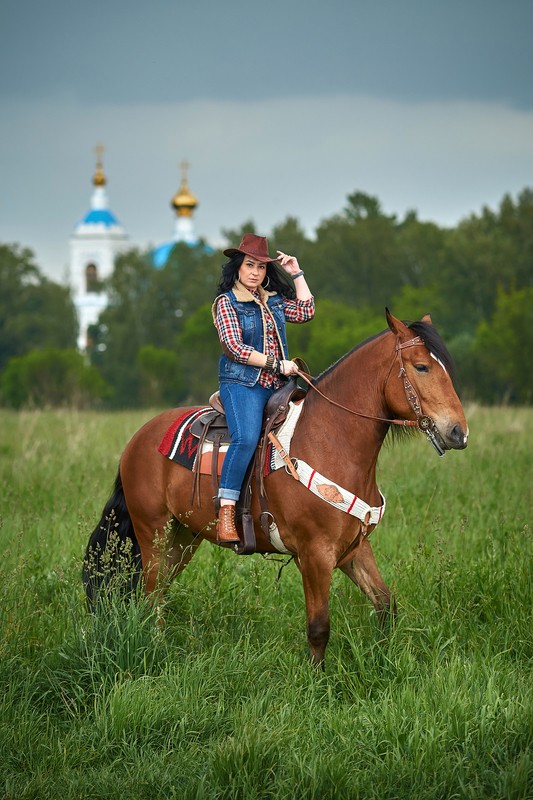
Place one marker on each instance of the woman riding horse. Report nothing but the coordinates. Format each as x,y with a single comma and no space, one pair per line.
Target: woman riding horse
401,376
253,304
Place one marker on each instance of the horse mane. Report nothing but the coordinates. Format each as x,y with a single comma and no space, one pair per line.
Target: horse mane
434,343
427,332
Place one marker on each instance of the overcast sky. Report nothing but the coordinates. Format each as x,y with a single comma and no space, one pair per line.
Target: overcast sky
281,107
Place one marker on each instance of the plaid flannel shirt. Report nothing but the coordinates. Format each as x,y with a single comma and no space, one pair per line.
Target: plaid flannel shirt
230,334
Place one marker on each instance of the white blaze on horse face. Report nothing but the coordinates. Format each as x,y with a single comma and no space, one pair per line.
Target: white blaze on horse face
438,361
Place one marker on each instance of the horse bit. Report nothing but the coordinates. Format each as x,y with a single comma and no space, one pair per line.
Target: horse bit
423,422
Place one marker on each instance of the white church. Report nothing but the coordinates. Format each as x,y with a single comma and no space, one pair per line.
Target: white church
99,237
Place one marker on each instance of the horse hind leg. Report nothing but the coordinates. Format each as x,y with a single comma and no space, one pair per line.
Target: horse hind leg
184,545
363,571
166,549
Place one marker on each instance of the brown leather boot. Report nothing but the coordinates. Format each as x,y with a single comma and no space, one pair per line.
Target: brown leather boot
226,531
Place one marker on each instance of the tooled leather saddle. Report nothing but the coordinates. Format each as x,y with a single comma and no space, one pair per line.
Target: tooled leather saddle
212,427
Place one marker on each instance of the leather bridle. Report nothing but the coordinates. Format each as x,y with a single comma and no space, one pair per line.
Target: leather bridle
423,422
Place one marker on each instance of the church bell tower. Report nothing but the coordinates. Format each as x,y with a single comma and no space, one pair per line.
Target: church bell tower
96,241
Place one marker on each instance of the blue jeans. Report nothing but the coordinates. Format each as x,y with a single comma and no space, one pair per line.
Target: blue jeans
244,407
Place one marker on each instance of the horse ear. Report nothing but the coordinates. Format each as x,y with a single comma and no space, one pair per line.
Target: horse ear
397,326
427,318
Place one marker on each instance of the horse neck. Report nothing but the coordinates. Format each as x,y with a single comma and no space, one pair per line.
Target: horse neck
356,382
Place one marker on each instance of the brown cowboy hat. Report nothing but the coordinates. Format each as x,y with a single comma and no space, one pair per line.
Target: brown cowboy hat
252,245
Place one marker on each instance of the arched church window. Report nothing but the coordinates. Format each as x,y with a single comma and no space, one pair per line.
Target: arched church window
91,278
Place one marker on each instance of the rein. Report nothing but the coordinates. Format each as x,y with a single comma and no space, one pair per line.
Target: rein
423,422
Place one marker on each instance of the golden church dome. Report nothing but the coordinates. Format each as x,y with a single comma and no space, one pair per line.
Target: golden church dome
184,201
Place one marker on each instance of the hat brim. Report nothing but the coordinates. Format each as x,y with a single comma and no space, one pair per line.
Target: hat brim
233,252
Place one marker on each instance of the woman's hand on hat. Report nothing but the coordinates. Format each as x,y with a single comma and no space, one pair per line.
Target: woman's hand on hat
288,263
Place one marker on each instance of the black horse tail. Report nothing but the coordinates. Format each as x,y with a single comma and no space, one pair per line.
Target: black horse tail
113,557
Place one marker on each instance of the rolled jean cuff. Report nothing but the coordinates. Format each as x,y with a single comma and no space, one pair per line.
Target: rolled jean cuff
229,494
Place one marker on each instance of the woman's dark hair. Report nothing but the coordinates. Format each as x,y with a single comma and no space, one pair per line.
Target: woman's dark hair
275,280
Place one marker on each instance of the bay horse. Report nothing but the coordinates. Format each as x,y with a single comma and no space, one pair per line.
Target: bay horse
400,376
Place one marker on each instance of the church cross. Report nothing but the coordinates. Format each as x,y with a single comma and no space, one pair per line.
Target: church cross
99,150
184,166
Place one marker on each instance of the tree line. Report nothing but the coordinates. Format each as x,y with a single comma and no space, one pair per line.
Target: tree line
156,345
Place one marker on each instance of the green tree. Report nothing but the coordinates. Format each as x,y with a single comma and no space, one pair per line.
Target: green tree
477,261
514,223
420,252
354,258
34,311
290,238
199,351
334,331
122,327
149,307
503,346
471,380
190,279
161,379
52,377
485,252
412,302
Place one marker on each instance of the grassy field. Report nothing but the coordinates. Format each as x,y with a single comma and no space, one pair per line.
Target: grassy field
222,702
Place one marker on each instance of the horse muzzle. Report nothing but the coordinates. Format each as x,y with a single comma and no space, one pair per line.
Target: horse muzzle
459,437
452,437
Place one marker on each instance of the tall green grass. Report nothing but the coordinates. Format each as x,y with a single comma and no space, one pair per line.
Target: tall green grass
220,701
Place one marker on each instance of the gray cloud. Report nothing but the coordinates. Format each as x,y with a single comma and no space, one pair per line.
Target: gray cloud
281,109
263,160
172,51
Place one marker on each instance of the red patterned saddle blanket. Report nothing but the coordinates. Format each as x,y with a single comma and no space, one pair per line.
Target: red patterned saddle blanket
181,445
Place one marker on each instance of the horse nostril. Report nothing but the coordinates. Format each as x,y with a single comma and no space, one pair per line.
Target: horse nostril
458,436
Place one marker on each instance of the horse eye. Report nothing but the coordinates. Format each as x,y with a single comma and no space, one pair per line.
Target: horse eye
421,368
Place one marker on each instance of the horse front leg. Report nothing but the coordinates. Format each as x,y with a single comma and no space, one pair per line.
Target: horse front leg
363,571
316,579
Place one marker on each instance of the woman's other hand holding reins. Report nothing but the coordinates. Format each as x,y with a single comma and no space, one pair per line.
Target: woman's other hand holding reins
287,368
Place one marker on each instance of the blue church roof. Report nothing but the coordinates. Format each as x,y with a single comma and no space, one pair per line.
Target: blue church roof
160,255
98,217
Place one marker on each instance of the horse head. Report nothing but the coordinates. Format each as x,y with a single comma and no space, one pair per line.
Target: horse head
425,391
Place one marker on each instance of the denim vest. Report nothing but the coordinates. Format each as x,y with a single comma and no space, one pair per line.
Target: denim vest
251,322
